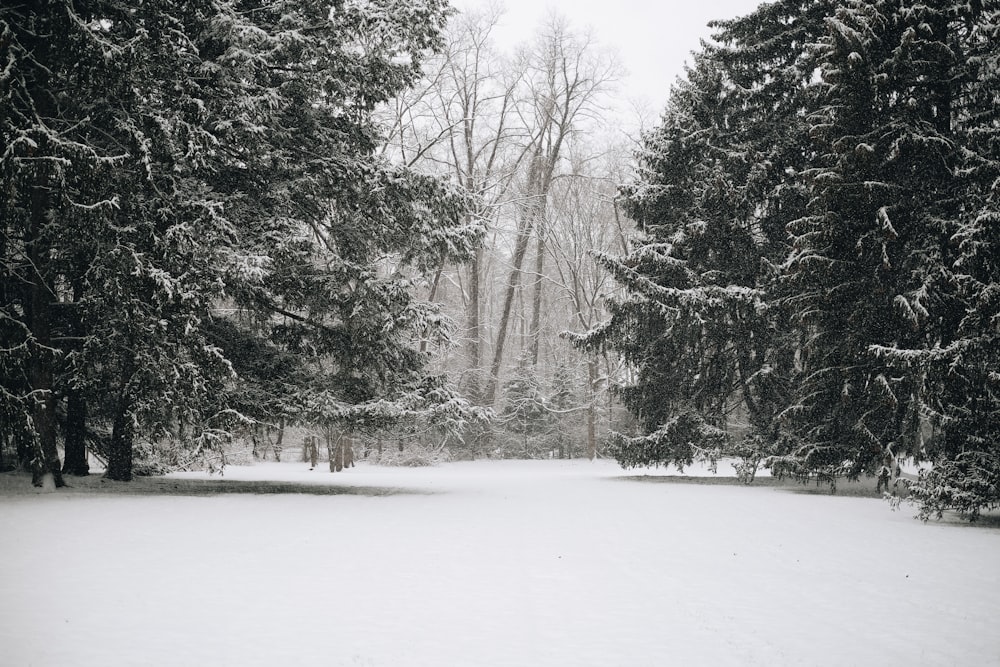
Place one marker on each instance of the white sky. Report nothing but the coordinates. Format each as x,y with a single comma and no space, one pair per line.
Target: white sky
653,38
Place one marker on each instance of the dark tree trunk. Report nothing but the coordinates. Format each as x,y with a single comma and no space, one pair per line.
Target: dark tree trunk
520,248
311,450
122,434
120,447
75,461
40,373
349,452
75,445
337,464
331,451
539,182
25,451
43,414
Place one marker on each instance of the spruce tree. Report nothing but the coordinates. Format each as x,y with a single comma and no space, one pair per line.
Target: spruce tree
718,182
950,58
172,165
525,410
866,273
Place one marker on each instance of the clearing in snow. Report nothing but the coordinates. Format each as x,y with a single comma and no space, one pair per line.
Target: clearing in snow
488,563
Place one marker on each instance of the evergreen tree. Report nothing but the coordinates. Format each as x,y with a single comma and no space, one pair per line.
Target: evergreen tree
95,175
525,410
869,270
173,162
950,55
345,236
819,206
718,182
564,406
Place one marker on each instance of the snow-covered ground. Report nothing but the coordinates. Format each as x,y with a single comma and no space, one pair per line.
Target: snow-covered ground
489,563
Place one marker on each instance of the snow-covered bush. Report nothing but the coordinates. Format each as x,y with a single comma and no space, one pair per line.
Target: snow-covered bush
968,484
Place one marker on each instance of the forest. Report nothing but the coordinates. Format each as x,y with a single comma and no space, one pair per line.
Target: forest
227,221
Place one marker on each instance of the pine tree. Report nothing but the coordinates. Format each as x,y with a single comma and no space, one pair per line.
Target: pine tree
950,56
563,405
344,237
173,162
866,272
717,184
90,176
525,410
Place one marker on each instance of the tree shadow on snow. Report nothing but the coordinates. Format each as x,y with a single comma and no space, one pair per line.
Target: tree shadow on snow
862,488
212,487
20,484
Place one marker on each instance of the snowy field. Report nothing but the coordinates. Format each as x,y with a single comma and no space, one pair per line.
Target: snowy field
515,564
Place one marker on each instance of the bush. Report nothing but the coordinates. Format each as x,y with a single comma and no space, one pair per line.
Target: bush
968,484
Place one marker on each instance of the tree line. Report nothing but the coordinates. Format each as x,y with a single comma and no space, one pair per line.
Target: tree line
227,216
815,285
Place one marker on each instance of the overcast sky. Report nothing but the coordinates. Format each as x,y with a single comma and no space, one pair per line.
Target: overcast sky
653,38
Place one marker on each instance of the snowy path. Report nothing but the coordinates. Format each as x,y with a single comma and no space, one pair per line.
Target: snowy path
492,564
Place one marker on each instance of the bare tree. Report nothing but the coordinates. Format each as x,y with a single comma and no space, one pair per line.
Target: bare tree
566,75
511,131
463,122
583,221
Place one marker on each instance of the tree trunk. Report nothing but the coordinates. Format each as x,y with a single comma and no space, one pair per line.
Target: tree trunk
75,444
534,331
44,417
75,461
475,340
331,449
277,442
313,447
25,450
337,460
348,458
520,249
592,408
535,204
122,433
40,372
122,436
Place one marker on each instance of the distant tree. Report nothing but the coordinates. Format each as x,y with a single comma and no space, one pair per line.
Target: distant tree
584,222
566,76
563,405
525,410
461,121
502,127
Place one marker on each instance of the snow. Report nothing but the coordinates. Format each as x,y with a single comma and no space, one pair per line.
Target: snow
488,564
